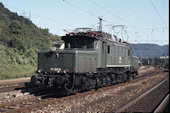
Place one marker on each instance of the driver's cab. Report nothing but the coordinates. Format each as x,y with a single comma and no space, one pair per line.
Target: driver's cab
78,42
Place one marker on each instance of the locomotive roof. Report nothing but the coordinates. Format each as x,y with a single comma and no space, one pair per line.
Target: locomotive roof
95,34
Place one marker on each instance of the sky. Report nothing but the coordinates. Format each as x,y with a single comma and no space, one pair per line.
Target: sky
135,21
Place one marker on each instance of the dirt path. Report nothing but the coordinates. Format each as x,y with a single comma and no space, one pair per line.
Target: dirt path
14,81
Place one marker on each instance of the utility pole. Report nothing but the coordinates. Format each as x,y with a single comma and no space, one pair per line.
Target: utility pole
139,53
153,61
29,16
100,23
23,19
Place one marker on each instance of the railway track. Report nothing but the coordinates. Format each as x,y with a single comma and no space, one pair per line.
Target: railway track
146,74
11,87
148,100
37,100
13,106
163,105
27,86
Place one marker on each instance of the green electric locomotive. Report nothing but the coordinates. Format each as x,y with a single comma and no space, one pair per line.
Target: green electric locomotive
87,60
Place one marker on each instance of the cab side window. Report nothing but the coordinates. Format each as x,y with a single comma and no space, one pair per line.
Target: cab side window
108,49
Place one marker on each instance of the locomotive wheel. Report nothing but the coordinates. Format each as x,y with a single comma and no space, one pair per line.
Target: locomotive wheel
45,82
118,78
131,77
78,81
124,77
134,75
113,79
98,82
84,84
96,85
108,80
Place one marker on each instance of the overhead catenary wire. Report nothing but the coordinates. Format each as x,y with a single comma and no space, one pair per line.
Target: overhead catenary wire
129,8
114,9
132,11
158,13
63,8
113,14
92,15
84,11
47,18
74,6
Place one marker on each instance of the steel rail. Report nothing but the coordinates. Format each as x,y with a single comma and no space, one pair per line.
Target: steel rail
162,105
124,107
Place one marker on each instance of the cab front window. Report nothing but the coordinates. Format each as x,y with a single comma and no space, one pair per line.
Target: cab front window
79,42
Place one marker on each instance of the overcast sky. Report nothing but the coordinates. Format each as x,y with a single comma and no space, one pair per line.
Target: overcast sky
144,21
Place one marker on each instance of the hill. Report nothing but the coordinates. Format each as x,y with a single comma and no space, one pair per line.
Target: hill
150,50
20,40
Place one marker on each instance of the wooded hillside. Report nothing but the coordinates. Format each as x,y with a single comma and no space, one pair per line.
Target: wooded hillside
20,40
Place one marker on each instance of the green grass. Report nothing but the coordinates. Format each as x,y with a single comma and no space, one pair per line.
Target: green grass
15,65
9,71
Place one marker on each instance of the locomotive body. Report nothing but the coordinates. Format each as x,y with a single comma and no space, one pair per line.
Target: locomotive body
70,61
89,59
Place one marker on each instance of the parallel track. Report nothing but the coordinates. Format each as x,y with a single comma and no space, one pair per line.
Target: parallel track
163,105
148,100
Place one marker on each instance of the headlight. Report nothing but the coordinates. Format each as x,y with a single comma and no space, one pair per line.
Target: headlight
38,71
51,69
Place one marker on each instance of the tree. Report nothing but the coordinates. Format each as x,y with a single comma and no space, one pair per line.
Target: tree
15,27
